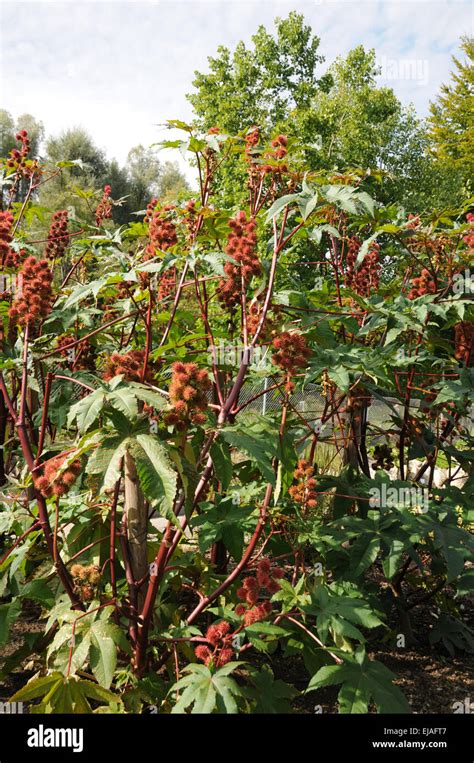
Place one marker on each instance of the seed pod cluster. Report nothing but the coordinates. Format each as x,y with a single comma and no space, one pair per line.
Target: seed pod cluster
188,395
86,580
54,481
254,315
150,208
6,253
365,277
464,342
33,299
292,352
191,218
241,246
58,236
130,365
18,158
413,221
167,284
469,237
279,146
265,580
220,639
161,231
104,207
304,491
424,284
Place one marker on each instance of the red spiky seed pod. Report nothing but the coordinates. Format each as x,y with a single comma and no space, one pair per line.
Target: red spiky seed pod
303,492
130,365
33,300
58,236
55,480
203,653
292,352
241,246
104,207
463,342
188,393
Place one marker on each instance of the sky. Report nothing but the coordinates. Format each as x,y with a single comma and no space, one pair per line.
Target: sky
121,68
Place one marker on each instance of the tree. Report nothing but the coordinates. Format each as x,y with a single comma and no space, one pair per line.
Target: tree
71,186
452,118
10,127
342,118
262,85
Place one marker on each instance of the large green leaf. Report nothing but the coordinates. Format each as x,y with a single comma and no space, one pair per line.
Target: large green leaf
362,680
205,691
158,479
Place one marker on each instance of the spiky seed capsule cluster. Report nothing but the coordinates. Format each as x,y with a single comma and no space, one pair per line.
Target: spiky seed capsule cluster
167,285
266,579
32,302
252,139
150,208
292,352
86,580
254,314
18,158
190,219
304,491
383,458
56,482
241,246
464,342
104,207
469,237
366,276
162,235
188,395
220,638
422,285
130,365
161,231
58,236
279,145
6,253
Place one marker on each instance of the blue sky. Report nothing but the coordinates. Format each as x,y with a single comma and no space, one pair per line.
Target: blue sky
119,68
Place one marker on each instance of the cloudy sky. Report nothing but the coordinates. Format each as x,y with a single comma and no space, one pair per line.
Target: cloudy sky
120,68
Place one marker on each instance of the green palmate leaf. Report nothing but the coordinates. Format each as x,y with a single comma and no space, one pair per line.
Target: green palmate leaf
270,695
226,522
256,442
280,204
86,411
63,694
221,459
158,479
339,614
103,653
363,681
8,615
206,692
453,634
107,459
